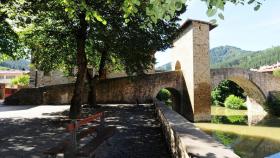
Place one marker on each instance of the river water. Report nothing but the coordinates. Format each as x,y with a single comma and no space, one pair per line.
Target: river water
230,127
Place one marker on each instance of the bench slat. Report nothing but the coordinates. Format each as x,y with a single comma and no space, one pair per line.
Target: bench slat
86,132
70,127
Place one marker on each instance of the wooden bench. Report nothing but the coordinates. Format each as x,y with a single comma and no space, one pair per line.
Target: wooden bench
71,145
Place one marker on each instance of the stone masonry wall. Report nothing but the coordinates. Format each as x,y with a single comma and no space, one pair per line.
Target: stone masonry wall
141,89
185,140
53,78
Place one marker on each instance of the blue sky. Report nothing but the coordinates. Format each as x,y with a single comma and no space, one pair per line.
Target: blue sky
243,27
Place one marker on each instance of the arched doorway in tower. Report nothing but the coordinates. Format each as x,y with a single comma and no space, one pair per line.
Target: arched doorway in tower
178,65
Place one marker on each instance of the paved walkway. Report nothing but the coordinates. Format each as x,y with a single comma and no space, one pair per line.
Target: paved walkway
30,130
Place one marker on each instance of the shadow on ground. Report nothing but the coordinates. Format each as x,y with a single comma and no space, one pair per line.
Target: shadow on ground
138,135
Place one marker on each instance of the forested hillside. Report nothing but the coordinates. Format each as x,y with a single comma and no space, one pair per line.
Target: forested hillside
228,56
21,64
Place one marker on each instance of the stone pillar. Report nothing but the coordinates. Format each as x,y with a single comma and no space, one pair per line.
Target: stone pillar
256,112
191,49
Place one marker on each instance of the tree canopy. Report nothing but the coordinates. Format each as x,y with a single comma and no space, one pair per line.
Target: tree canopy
62,33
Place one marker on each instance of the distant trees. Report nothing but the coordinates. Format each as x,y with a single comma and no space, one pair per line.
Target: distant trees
235,57
21,64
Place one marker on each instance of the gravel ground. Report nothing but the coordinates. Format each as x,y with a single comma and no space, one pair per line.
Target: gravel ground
138,133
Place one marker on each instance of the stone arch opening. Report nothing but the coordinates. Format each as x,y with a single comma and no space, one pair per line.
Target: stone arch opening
251,90
171,97
178,65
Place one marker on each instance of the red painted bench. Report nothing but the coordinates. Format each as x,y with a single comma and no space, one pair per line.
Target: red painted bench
72,145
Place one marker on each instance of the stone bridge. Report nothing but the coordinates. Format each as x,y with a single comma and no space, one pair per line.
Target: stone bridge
256,85
144,89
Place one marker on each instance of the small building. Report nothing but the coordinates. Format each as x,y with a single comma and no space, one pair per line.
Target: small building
6,76
268,68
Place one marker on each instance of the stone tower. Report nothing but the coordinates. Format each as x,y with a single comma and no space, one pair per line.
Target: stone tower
191,54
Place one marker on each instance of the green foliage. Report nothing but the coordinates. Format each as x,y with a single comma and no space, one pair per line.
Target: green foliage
225,138
16,64
232,119
217,6
234,102
227,57
4,68
276,73
155,9
22,80
165,96
130,47
9,40
223,90
273,103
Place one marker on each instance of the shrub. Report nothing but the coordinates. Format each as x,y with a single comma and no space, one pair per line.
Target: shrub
234,102
22,80
165,96
276,73
223,90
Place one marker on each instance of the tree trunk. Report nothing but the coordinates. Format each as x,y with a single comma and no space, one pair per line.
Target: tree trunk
102,70
93,80
76,101
92,89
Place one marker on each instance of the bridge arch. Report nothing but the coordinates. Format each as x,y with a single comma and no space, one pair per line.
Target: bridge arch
241,78
175,98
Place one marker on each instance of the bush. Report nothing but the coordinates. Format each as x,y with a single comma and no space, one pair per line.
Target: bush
223,90
165,96
22,80
276,73
234,102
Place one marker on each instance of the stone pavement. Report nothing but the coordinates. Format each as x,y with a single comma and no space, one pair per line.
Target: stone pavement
30,130
139,134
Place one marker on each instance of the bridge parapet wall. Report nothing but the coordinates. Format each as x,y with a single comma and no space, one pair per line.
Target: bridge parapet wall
141,89
185,140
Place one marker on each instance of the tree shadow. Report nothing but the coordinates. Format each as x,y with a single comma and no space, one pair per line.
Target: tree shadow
138,134
5,108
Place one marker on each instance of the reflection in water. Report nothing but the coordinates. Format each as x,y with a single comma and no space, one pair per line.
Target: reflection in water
234,119
230,129
222,111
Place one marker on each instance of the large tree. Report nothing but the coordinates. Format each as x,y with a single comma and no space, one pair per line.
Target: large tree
74,20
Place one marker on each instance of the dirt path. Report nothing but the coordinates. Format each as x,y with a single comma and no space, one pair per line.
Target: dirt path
138,134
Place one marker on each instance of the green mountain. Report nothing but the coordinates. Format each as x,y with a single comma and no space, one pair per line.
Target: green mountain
229,56
21,64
